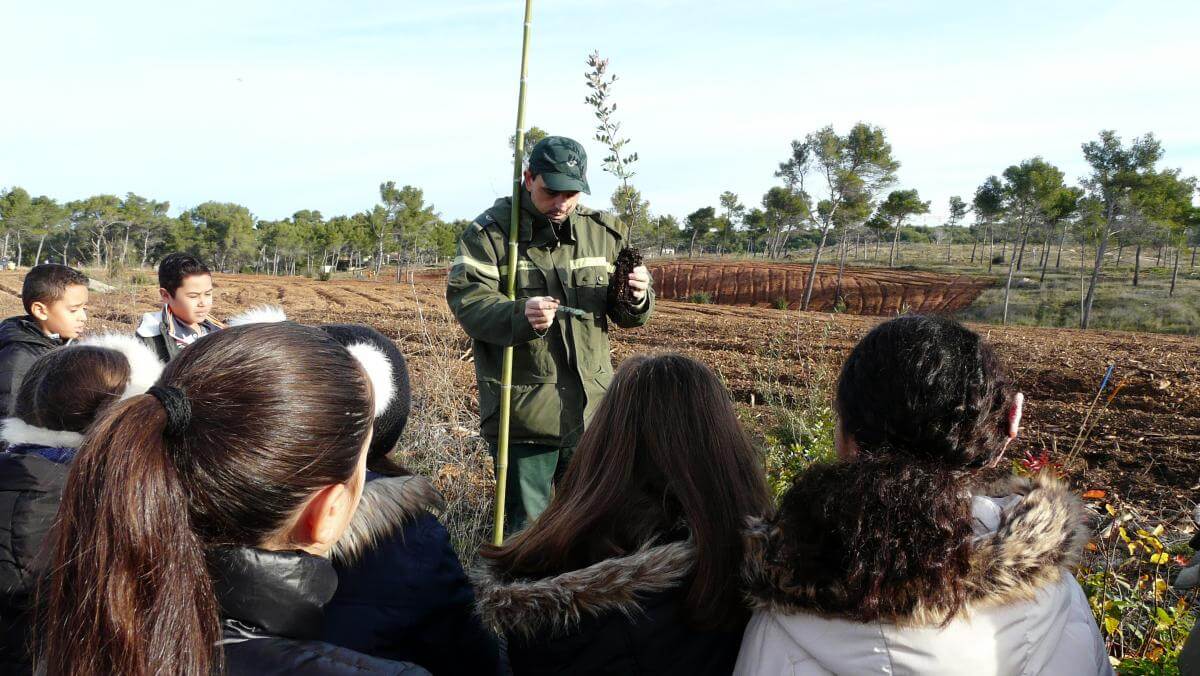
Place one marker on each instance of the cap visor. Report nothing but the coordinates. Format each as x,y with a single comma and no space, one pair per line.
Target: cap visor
563,182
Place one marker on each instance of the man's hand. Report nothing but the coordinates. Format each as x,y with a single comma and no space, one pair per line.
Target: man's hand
639,281
540,310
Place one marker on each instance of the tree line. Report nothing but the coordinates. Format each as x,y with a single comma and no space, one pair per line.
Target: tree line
110,231
836,192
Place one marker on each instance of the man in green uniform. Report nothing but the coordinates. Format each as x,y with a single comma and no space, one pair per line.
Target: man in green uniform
561,364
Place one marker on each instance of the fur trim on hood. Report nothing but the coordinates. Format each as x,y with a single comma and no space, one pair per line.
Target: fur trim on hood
1039,535
559,602
144,365
388,503
263,314
16,431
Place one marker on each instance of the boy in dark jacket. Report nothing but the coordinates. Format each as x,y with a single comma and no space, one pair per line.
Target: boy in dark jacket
186,288
55,299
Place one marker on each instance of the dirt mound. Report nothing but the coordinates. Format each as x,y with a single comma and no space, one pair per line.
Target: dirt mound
865,291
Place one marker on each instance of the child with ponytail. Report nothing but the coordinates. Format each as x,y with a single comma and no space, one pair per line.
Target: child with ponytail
197,518
895,559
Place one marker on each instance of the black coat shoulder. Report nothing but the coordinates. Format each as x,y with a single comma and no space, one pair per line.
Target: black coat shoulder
268,656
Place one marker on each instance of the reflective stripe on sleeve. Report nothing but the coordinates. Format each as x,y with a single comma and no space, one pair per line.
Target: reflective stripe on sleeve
484,269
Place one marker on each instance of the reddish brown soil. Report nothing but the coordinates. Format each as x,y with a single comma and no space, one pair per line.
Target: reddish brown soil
865,291
1145,447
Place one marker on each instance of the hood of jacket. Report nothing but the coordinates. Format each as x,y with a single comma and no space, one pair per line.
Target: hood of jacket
1040,529
280,593
557,603
25,330
17,432
387,505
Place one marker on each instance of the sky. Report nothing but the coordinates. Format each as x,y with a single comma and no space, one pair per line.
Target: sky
312,104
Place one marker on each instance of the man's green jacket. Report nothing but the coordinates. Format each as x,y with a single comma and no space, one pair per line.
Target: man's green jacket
560,376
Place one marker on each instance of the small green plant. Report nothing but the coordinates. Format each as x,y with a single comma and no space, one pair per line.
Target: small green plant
839,307
780,303
700,297
800,415
1144,621
139,279
324,276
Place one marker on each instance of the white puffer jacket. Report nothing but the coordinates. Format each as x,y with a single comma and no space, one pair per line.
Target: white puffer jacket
1026,614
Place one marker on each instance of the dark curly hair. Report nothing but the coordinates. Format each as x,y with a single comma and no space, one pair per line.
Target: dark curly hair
926,402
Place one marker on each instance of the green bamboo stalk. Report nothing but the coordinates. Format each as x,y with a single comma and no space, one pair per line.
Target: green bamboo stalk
513,227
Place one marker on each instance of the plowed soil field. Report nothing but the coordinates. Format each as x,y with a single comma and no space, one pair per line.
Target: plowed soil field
866,291
1145,447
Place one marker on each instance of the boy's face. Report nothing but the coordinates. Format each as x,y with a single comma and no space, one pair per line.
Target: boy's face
193,299
66,316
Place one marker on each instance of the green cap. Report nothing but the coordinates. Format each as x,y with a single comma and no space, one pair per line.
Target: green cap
561,162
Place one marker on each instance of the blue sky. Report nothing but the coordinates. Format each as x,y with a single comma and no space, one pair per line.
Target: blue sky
310,105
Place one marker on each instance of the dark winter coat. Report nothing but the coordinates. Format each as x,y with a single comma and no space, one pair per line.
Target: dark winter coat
271,609
623,615
402,593
32,479
21,343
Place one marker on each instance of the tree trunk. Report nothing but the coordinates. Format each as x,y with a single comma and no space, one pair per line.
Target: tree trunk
1061,243
837,296
991,247
1120,252
6,244
38,257
1012,262
895,240
812,274
1086,317
1174,274
1021,254
125,248
20,251
949,243
1045,259
1137,263
974,244
692,245
1193,255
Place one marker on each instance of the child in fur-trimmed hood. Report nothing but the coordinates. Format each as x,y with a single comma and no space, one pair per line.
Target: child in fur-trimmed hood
402,593
61,395
895,559
633,568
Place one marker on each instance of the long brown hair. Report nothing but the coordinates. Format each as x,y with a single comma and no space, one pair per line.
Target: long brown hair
926,401
664,457
66,389
274,417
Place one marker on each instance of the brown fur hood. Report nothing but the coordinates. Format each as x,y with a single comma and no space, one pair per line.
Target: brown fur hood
559,602
1038,535
388,503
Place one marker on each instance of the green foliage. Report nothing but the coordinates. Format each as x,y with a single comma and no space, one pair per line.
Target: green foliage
801,419
532,136
781,303
700,297
1144,621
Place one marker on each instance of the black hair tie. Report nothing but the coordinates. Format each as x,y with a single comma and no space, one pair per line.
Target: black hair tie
179,410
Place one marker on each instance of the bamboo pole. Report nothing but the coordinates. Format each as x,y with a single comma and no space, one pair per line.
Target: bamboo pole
511,287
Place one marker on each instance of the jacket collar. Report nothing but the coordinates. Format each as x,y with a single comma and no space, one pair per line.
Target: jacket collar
281,593
388,504
1039,533
560,602
16,432
162,322
25,329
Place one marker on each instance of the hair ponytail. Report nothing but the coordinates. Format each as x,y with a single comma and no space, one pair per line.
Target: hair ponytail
130,593
252,434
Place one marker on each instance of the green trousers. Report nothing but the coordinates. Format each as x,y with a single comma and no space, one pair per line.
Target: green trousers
533,469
